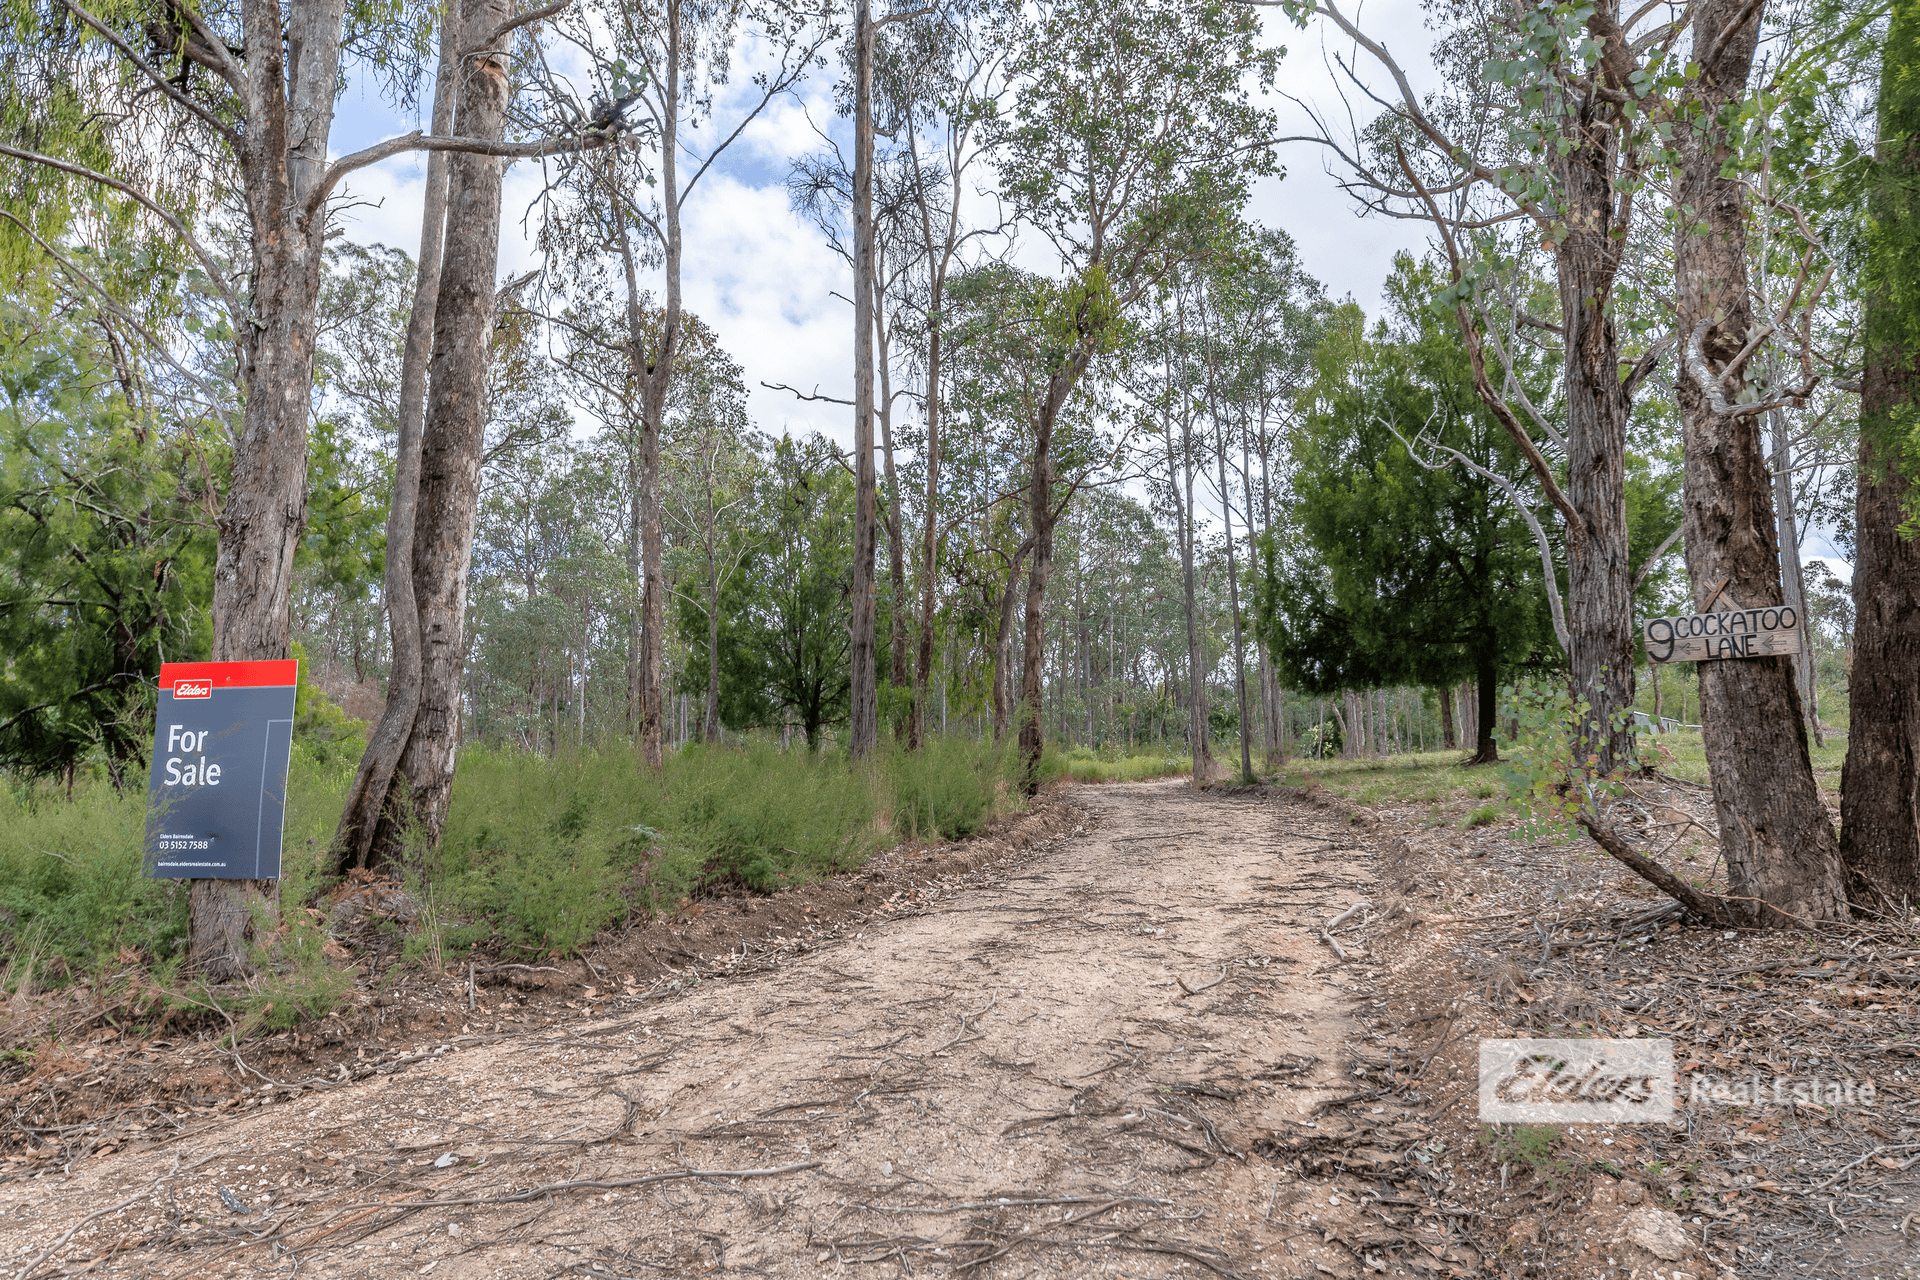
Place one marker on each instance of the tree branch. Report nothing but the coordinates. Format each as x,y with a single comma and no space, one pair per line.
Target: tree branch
524,19
235,312
417,141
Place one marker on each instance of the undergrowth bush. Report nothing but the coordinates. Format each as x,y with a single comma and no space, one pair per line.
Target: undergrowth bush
539,853
1090,768
951,787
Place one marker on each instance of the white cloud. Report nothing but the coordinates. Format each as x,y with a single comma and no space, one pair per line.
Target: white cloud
765,280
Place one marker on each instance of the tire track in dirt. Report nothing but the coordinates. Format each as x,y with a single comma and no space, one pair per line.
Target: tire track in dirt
1073,1069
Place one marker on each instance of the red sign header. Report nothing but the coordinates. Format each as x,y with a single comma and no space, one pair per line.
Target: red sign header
200,679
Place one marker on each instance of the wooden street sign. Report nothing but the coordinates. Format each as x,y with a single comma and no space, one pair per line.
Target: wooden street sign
1734,633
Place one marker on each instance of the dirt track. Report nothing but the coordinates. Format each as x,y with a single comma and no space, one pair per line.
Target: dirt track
1072,1069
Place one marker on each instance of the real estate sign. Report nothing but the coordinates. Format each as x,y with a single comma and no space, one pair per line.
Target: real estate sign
217,796
1733,633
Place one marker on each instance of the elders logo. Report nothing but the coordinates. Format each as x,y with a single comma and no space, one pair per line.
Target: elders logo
1576,1081
193,688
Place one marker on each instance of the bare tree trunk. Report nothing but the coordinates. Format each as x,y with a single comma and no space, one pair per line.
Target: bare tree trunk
452,441
292,76
1041,514
897,647
1880,783
1447,740
1792,582
1487,691
1783,863
1599,586
656,367
864,712
1196,649
1233,603
373,789
636,699
1002,646
929,538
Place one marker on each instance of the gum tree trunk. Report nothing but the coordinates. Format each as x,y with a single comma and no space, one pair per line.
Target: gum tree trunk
1880,784
372,786
451,443
1599,586
1783,863
864,712
290,83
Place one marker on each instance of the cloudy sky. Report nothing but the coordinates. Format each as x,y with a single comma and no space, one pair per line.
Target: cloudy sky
767,283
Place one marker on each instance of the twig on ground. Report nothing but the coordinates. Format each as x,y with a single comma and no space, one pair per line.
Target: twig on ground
1194,991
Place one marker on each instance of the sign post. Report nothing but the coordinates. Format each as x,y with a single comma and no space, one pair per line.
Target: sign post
217,795
1734,633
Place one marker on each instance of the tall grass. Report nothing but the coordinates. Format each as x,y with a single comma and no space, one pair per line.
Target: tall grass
538,853
1083,765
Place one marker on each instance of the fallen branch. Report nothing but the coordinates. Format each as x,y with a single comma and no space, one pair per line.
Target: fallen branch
1705,907
1194,991
1347,915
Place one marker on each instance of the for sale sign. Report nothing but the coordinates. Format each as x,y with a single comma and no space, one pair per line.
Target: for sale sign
217,796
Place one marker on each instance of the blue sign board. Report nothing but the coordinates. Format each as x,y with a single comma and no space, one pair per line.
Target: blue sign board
217,796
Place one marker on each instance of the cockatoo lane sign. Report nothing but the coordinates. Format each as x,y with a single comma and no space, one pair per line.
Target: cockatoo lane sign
1734,633
217,794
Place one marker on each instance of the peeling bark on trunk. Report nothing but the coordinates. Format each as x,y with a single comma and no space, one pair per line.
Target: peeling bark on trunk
1782,858
291,79
452,441
864,711
1599,584
373,787
1880,784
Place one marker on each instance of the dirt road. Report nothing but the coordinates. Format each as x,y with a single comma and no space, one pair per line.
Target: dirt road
1079,1067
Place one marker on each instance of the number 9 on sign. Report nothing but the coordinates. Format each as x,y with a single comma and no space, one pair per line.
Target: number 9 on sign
1660,639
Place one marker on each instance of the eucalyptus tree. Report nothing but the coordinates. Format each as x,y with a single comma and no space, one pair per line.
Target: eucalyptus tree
1131,137
670,64
1544,120
1783,861
940,77
1880,784
242,96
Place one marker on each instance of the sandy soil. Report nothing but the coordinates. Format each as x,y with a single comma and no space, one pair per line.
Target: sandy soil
1074,1068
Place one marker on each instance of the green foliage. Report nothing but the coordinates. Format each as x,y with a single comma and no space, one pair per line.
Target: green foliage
1891,280
1530,1144
318,722
1127,768
549,851
950,788
783,636
1402,574
71,886
105,556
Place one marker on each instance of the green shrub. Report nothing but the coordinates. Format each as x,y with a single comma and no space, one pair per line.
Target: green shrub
950,787
1129,768
71,890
